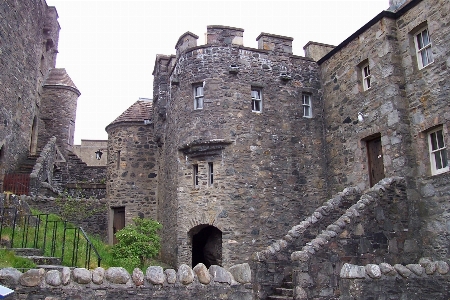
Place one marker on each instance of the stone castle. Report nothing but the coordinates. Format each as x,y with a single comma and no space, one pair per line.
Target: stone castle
307,167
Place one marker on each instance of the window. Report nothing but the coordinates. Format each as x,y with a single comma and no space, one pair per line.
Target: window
306,102
118,160
438,152
256,100
423,48
195,175
210,173
366,76
198,97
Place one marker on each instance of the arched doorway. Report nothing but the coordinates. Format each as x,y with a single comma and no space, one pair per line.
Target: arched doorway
206,245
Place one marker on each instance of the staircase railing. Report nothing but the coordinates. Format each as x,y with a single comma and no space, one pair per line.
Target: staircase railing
55,238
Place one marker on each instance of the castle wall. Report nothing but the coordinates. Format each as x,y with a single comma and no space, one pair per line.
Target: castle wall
29,32
131,172
427,91
268,166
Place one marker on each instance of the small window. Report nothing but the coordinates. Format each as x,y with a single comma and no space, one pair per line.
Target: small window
366,77
195,175
438,151
210,173
198,97
306,102
118,160
422,41
256,100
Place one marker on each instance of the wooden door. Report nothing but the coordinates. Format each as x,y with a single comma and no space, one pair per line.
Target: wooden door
375,160
118,221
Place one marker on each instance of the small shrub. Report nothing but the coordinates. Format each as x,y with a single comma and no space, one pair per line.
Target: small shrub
137,243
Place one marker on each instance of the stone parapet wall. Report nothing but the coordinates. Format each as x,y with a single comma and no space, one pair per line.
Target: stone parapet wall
117,283
425,280
373,230
43,169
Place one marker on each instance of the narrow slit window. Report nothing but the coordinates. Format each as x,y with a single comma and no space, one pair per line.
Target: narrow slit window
210,173
195,175
306,103
118,160
366,77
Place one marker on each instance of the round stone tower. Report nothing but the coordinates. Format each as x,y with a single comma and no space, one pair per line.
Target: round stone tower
131,169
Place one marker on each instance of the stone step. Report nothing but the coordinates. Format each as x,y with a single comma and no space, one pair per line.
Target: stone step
288,285
284,292
50,267
26,251
275,297
44,260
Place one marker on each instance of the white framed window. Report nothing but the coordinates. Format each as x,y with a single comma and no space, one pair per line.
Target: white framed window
195,175
198,97
210,173
438,151
256,100
306,103
422,41
366,77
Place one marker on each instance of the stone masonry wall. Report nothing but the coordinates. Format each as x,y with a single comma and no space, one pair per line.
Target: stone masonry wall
131,171
427,91
117,283
267,166
29,37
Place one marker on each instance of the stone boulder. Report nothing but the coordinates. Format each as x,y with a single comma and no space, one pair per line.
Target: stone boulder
202,273
241,273
32,277
155,275
117,275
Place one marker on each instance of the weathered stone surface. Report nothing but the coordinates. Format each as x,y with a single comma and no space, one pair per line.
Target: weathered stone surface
442,267
373,271
219,274
82,275
185,274
155,275
402,270
241,273
53,278
202,273
300,293
98,274
65,275
32,277
171,275
387,269
352,271
117,275
416,269
10,276
138,277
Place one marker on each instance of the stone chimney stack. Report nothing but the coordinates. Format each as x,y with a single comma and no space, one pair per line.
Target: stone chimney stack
394,5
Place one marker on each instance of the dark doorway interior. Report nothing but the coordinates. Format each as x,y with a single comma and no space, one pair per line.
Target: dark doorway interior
375,159
118,221
207,247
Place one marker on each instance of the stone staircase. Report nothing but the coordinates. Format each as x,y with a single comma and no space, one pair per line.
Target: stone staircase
44,262
285,292
26,166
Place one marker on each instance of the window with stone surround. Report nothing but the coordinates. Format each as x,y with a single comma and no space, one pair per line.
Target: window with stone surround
438,151
195,175
256,100
210,174
198,96
422,43
366,77
306,103
118,160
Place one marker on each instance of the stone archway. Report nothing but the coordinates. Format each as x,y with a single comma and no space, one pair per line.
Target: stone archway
206,241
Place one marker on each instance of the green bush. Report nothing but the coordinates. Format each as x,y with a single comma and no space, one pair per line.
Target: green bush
137,243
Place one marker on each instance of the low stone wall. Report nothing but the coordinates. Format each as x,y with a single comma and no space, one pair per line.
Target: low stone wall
373,230
117,283
426,280
273,265
43,169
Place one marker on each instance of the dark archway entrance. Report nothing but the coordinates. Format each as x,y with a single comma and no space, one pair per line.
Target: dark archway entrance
206,246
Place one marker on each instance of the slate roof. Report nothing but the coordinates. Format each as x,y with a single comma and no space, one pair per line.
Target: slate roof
138,112
58,77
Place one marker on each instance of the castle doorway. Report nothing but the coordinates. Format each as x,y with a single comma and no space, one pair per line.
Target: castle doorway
118,221
207,246
375,160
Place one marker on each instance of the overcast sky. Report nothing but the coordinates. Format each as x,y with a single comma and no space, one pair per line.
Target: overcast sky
109,47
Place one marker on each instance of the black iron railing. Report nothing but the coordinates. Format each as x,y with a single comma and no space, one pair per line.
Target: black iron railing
55,238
